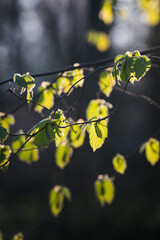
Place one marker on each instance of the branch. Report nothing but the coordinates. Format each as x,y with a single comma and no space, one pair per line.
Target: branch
83,65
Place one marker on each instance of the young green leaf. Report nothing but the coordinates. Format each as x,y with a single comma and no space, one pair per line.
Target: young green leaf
6,120
99,39
63,155
98,108
132,65
46,97
106,82
98,132
3,134
25,81
56,198
119,164
5,152
152,150
29,153
77,135
104,189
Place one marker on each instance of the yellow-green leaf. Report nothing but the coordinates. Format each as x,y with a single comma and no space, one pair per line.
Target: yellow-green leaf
77,135
106,12
28,153
63,155
1,236
106,82
46,97
119,164
6,120
152,150
99,39
56,198
97,108
98,132
105,190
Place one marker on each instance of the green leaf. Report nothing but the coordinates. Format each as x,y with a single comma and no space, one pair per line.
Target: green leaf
3,134
152,151
18,236
25,81
63,155
125,72
29,98
46,97
29,153
75,76
119,164
98,132
5,152
6,120
98,108
104,189
133,66
56,198
77,135
106,82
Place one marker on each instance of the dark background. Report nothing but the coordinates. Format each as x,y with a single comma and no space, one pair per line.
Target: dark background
43,35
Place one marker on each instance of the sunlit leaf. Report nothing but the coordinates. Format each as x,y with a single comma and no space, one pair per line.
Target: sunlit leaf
104,189
119,164
46,97
77,135
98,108
75,76
56,198
63,155
98,132
106,12
99,39
25,81
18,236
152,150
48,129
28,153
5,152
6,120
131,66
151,11
3,134
106,82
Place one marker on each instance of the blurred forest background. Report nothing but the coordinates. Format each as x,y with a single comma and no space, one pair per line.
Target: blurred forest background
43,35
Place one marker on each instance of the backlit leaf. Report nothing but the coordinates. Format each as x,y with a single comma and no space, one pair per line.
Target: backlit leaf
106,12
98,132
25,81
28,153
99,39
56,198
77,135
6,120
119,164
152,150
104,189
98,108
63,155
106,82
151,11
46,97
